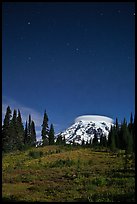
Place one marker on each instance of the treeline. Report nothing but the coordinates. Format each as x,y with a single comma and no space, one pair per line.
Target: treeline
121,136
17,137
46,133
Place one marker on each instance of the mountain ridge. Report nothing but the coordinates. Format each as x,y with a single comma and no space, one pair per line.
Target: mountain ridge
85,127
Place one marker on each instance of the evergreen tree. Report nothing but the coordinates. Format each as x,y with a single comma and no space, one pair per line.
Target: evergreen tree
29,131
33,134
127,138
87,144
20,131
123,134
116,129
129,142
14,132
134,134
116,123
64,140
95,140
6,130
131,118
51,135
59,140
45,129
103,141
130,125
73,142
26,133
131,138
121,137
113,140
109,136
83,141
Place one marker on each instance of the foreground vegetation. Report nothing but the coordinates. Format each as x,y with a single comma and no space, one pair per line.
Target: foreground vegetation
68,173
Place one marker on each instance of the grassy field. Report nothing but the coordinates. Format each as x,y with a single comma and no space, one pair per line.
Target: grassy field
66,174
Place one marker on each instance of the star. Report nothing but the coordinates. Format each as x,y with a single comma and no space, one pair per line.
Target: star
77,49
29,58
67,43
134,14
28,22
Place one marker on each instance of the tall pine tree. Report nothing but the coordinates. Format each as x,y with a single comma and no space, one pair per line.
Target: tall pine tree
130,125
29,131
26,134
59,139
127,139
6,130
134,134
51,135
111,143
116,129
33,134
14,132
123,131
109,136
45,129
129,142
113,139
103,140
95,140
20,131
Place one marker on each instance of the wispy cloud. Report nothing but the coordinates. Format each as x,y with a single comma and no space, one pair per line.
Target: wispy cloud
25,111
38,133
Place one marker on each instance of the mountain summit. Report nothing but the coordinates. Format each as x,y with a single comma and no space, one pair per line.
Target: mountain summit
85,127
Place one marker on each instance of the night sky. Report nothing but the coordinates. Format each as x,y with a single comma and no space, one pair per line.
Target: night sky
71,59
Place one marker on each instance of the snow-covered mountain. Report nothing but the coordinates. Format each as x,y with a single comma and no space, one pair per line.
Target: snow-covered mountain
85,127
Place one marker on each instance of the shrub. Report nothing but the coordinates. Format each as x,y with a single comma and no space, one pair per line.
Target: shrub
99,181
35,154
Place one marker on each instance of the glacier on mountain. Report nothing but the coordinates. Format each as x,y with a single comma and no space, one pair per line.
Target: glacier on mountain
85,127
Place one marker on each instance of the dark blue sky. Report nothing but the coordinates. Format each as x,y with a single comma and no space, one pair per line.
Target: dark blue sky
70,59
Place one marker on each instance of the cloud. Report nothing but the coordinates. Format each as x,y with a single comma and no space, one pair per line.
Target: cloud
56,125
38,133
25,111
4,107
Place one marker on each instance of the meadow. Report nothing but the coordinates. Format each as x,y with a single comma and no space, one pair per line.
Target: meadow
68,174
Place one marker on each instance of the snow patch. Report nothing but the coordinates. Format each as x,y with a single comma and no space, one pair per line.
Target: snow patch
86,126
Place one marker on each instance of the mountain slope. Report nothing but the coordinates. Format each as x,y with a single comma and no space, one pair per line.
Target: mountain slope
85,127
